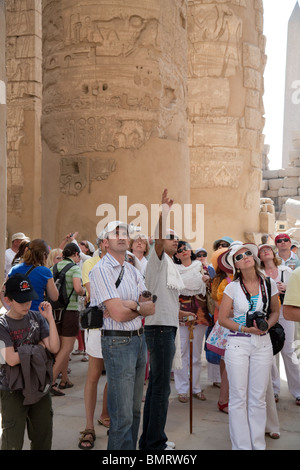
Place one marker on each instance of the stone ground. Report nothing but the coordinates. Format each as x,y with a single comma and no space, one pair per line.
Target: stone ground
210,426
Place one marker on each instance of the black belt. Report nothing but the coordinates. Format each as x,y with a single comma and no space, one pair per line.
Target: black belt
128,333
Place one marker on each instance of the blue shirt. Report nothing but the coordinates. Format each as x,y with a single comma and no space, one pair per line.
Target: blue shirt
103,278
38,277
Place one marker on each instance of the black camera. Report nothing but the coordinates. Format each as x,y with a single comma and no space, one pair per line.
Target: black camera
260,319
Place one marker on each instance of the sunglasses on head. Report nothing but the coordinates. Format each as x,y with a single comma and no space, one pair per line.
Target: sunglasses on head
241,255
201,255
266,249
280,240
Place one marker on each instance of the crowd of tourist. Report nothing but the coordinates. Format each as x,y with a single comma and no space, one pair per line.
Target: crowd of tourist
150,296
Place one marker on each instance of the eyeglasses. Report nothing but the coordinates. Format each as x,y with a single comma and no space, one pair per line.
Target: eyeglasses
184,248
201,255
280,240
241,255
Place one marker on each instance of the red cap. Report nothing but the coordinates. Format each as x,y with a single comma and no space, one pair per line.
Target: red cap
282,235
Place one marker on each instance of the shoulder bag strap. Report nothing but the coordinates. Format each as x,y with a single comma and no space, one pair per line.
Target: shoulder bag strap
29,270
268,282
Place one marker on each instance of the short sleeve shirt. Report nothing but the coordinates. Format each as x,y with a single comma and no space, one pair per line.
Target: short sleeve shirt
240,302
292,293
38,277
31,329
103,278
167,304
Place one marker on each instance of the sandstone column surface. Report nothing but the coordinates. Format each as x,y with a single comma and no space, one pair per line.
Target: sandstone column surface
226,62
114,120
24,94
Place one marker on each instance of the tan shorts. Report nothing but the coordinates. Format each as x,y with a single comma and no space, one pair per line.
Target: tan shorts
92,340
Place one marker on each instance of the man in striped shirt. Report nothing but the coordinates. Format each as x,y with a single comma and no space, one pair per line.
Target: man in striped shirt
117,286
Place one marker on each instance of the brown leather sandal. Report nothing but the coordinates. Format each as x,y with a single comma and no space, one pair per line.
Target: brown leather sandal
89,437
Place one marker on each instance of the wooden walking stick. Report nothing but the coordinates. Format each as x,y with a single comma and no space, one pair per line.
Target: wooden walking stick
191,331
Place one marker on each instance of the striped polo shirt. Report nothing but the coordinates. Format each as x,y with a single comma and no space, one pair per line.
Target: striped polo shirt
103,278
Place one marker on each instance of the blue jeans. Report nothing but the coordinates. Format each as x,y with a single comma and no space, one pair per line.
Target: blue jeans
161,346
125,363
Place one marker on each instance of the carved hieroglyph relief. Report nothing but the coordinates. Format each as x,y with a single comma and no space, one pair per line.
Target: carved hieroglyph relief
222,146
112,78
77,172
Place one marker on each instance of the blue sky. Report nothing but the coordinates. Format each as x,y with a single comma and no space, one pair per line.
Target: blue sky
276,17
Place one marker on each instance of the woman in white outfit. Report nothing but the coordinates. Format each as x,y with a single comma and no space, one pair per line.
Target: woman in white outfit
281,274
193,278
249,352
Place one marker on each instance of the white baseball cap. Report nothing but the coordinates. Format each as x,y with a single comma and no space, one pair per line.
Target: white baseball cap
111,226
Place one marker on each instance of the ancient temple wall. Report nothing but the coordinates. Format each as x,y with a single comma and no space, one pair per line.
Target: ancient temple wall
114,117
226,64
2,139
24,93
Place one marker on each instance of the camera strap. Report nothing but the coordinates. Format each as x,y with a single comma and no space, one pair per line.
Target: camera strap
118,281
263,292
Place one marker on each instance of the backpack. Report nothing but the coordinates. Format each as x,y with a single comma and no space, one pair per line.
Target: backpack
60,282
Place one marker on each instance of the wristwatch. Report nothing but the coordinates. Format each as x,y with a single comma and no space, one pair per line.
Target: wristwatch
138,307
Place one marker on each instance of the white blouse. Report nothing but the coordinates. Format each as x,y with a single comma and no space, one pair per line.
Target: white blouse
240,302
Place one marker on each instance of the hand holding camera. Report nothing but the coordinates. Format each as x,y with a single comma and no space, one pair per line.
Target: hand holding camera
258,321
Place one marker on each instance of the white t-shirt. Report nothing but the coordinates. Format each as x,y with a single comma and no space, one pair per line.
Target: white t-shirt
9,256
167,304
240,302
143,263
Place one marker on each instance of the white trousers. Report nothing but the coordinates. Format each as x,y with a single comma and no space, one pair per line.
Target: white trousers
290,359
248,363
181,376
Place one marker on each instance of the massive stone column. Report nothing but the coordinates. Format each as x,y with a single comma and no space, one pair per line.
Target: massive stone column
24,89
292,86
226,64
114,108
2,138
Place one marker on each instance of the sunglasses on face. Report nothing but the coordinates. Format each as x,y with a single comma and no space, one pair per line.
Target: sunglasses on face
201,255
172,237
241,256
223,245
282,240
184,248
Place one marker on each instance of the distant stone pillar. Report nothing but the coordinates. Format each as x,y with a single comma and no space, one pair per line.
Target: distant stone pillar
114,108
292,86
24,92
225,82
3,179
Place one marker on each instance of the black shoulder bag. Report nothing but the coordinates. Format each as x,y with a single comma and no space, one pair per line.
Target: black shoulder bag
92,317
276,332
